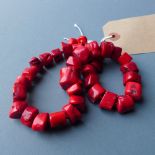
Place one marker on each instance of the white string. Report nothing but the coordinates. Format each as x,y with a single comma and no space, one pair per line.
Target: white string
79,29
66,39
107,37
81,33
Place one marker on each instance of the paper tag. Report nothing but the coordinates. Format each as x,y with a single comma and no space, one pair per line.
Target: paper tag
135,35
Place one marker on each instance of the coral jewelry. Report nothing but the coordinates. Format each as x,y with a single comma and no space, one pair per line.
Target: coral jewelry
70,81
89,56
131,79
82,58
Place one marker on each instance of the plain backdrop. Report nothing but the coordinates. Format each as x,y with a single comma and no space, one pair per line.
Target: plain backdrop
30,27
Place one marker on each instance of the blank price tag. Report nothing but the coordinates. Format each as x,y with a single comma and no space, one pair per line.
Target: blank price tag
135,35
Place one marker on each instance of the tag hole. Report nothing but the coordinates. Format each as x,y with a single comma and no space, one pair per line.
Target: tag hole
115,36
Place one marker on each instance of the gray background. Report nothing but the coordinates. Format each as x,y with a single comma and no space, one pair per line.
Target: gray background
28,28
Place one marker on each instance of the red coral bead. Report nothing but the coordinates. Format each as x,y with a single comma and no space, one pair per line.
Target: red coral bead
82,40
67,49
19,92
46,59
82,53
75,89
124,59
106,49
58,119
116,53
72,61
36,62
96,92
94,49
28,115
98,65
108,101
72,113
40,122
17,109
134,89
131,77
57,55
125,104
68,76
30,72
74,46
78,102
22,80
88,69
72,41
131,66
90,80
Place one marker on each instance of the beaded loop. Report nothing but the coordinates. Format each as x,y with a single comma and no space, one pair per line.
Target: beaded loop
131,80
70,81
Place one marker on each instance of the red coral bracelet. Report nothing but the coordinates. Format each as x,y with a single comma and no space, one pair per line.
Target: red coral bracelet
70,80
131,80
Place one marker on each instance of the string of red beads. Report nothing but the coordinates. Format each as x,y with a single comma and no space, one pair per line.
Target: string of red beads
70,81
131,80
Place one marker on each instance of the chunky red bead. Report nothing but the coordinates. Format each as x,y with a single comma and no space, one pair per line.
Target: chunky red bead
67,49
90,80
72,113
68,76
24,81
116,53
131,66
28,115
96,92
19,92
82,53
57,119
133,89
72,41
75,89
74,46
108,101
46,59
88,69
94,49
36,62
82,40
17,109
78,102
131,77
98,65
106,49
30,72
124,59
57,55
72,61
125,104
40,122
